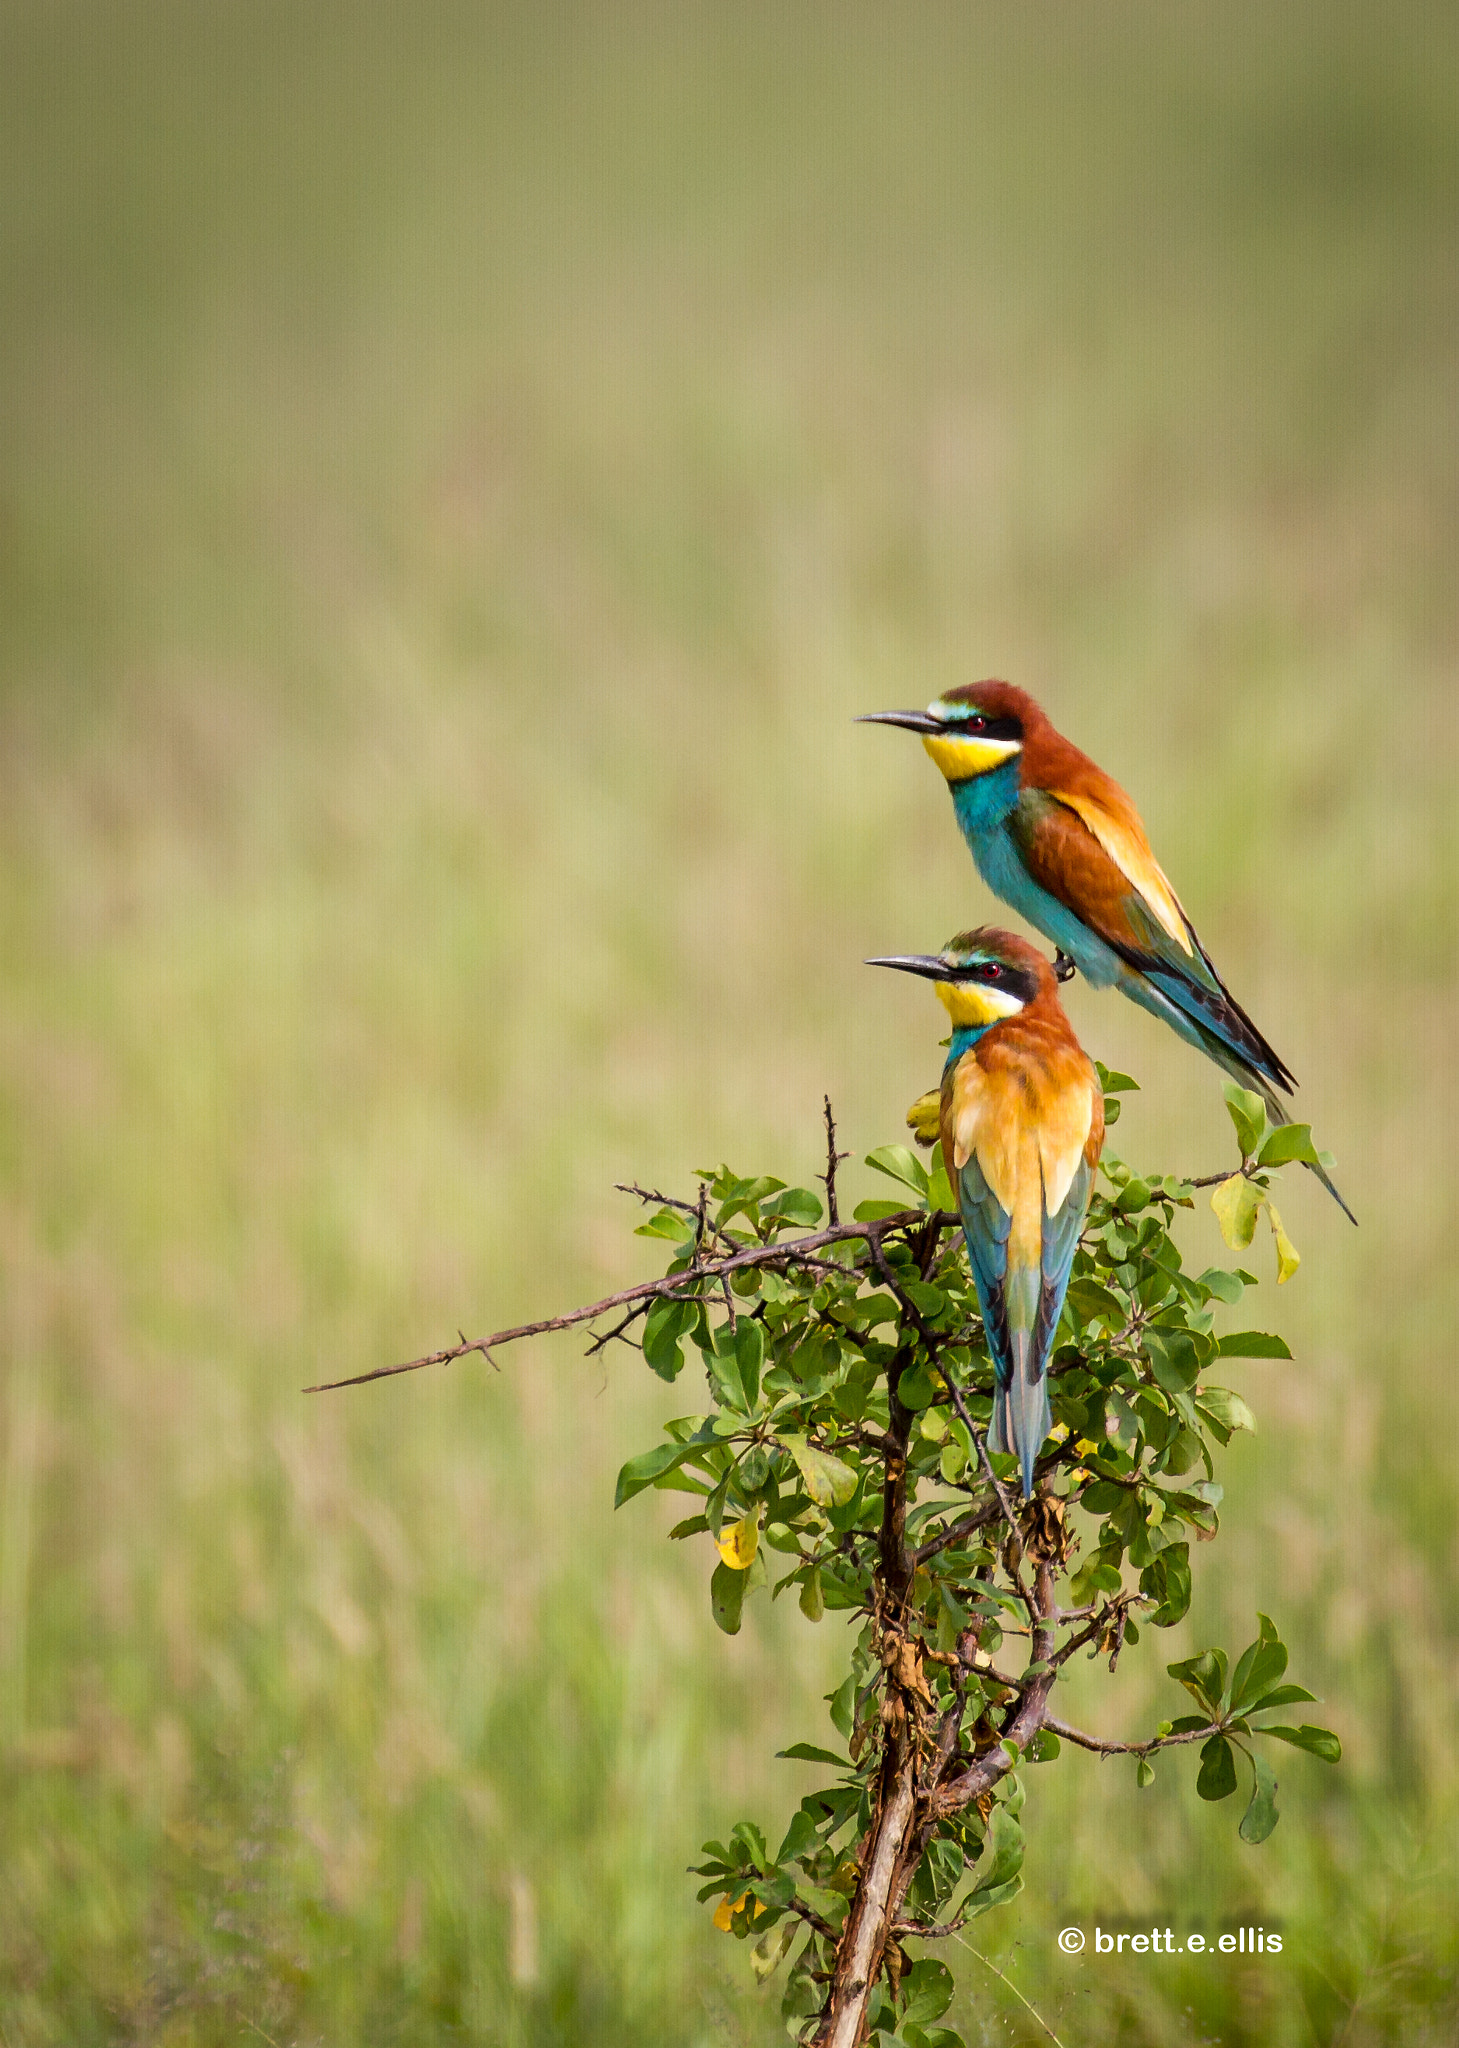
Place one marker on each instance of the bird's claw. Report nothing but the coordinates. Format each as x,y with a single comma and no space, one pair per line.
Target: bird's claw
1064,968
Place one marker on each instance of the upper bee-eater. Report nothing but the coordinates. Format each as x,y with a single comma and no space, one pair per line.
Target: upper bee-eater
1022,1128
1056,838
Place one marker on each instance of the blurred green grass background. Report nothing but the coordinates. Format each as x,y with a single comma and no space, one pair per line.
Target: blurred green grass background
461,471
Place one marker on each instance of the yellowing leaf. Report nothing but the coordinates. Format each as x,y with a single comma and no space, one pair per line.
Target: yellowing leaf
1288,1257
924,1118
727,1908
1236,1203
739,1542
828,1482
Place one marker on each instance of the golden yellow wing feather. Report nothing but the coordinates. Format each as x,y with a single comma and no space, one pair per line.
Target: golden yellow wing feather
1130,852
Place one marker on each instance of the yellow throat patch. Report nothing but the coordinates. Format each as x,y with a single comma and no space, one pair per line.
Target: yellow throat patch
961,756
972,1003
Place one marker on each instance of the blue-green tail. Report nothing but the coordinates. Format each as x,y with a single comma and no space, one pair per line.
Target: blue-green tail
1021,1415
1200,1031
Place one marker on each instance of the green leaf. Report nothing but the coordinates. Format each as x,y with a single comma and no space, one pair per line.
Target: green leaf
899,1164
1258,1668
808,1753
1002,1856
749,1357
1261,1815
842,1703
917,1388
828,1482
873,1212
1093,1303
795,1205
1203,1677
812,1600
670,1223
1113,1083
800,1836
1252,1344
990,1597
996,1895
1144,1773
1227,1287
1228,1410
664,1325
1168,1581
1320,1742
1288,1142
1120,1423
926,1992
1132,1197
1237,1203
1248,1114
1217,1779
643,1470
1283,1696
726,1598
1173,1359
724,1372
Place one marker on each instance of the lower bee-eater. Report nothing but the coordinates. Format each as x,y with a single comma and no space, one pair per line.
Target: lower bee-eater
1059,840
1022,1129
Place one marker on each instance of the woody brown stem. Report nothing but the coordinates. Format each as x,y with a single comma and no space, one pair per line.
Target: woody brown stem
878,1895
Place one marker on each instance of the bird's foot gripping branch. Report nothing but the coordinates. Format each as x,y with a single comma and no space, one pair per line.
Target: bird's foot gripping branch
841,1456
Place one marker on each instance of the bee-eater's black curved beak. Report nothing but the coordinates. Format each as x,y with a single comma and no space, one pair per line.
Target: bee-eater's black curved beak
914,721
926,964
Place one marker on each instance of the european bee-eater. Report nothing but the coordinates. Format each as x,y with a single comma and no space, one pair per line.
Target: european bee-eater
1059,841
1022,1129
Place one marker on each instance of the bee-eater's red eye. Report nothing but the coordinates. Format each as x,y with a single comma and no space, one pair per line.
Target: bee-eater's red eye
994,971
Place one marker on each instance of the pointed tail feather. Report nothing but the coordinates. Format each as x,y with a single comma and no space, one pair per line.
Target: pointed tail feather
1277,1115
1217,1015
1021,1417
1199,1031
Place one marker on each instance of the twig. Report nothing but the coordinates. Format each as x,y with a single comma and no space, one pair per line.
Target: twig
969,1525
901,1928
1111,1609
833,1160
1102,1748
603,1338
631,1187
667,1287
987,1464
910,1309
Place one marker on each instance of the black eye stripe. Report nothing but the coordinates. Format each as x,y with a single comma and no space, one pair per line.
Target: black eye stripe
998,973
960,719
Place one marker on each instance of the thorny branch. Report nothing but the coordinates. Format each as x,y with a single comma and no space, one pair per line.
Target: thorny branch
648,1291
833,1160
